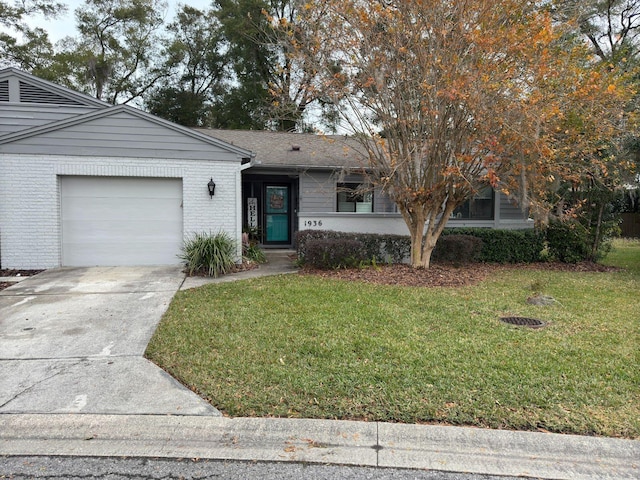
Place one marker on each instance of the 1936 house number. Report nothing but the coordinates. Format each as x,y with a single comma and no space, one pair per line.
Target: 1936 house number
313,223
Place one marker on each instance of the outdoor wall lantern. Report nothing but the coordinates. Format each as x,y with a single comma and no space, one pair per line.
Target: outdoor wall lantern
212,187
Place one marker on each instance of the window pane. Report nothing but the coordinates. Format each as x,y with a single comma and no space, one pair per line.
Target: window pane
480,207
354,197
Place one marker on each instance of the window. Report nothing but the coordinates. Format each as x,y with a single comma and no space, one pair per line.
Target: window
354,197
480,207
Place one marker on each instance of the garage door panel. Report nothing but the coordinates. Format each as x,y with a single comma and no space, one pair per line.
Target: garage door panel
118,254
120,221
122,187
77,209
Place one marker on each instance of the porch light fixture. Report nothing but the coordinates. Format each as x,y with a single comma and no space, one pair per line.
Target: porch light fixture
212,187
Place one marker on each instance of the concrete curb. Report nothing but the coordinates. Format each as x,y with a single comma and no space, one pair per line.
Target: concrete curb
451,449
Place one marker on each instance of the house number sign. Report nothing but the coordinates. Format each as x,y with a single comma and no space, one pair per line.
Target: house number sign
313,223
252,212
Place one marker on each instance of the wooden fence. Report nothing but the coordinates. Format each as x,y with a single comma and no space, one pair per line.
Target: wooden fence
630,225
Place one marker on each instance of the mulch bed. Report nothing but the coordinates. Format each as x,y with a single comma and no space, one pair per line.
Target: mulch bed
15,273
18,273
238,268
442,275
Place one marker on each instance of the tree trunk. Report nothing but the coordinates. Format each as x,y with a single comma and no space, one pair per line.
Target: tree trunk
424,241
596,239
417,229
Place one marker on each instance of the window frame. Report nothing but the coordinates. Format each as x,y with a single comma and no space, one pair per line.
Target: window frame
464,211
354,193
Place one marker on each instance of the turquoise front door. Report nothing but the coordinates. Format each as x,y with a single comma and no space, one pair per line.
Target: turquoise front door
278,214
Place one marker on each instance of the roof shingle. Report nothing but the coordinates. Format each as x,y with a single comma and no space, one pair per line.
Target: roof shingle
295,150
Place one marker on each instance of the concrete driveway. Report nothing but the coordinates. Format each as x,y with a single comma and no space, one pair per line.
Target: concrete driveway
73,339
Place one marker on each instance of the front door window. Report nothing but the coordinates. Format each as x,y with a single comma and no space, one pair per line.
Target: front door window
277,211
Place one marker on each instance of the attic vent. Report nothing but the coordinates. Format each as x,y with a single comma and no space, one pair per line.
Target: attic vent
32,94
295,148
4,91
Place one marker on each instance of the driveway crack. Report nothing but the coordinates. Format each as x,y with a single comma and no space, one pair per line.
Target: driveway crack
39,382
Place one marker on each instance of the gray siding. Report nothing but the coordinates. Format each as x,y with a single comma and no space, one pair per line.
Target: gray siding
15,116
317,192
382,203
118,135
509,210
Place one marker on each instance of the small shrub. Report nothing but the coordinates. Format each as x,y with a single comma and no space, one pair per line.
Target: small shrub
568,242
329,253
209,254
372,245
254,253
458,249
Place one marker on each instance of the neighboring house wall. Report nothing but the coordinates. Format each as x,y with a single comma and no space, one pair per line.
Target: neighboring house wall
121,134
48,132
30,199
20,116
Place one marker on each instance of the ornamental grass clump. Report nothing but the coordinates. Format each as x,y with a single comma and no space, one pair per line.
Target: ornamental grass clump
208,254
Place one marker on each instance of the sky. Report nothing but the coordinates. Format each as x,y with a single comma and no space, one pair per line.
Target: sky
65,25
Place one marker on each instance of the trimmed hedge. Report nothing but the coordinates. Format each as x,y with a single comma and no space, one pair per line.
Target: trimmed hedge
375,247
505,246
332,253
458,249
498,246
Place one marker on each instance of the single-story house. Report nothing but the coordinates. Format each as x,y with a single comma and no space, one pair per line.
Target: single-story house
304,181
84,183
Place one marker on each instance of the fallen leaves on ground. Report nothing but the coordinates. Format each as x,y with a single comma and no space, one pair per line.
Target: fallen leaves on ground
443,275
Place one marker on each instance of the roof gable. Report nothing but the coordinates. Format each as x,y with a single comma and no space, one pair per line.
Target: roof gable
20,87
118,131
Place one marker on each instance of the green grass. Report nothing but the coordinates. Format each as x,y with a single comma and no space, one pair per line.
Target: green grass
293,346
625,254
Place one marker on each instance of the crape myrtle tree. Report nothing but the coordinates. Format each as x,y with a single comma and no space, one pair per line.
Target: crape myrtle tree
612,32
570,129
580,121
429,87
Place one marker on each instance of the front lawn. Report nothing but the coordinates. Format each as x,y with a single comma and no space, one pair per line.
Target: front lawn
304,346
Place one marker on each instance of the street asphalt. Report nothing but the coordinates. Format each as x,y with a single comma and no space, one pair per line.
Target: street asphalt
74,382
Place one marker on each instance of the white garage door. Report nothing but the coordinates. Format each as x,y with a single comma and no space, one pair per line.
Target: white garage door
111,221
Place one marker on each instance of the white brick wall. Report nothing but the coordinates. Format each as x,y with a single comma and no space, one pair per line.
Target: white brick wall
30,199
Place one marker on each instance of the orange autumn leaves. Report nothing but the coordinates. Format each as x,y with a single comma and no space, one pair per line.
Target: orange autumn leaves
464,94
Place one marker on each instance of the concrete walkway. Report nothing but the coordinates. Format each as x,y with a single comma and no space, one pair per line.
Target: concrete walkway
278,262
184,435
